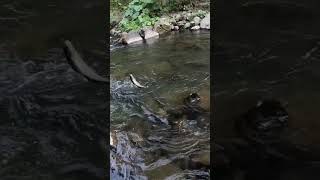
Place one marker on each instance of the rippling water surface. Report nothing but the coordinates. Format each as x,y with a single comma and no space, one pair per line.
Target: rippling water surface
146,148
49,113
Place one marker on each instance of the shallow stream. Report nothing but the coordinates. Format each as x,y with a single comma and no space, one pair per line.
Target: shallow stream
171,67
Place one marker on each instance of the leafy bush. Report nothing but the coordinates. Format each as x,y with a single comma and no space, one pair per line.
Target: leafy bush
200,13
140,13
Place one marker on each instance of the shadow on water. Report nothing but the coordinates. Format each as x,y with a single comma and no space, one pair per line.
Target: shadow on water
53,121
270,50
145,146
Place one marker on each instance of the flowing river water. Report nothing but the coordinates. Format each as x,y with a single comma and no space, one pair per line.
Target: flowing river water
53,121
146,147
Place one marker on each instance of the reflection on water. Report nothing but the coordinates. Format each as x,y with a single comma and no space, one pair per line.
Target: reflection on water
172,67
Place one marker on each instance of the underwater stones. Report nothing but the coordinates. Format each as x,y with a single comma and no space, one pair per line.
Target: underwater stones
205,22
163,172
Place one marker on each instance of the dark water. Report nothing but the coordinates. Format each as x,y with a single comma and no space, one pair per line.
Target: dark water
53,121
172,67
267,54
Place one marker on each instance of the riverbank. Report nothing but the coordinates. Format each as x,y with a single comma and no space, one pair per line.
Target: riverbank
192,19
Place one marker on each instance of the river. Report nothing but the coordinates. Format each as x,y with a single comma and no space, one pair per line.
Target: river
171,67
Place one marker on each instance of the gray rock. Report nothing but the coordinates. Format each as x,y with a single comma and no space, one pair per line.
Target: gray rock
163,25
148,33
131,37
196,20
192,23
195,28
181,23
176,28
205,22
178,17
112,32
189,15
187,25
172,21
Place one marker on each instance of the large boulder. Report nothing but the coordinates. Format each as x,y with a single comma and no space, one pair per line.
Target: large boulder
148,33
131,37
205,22
163,25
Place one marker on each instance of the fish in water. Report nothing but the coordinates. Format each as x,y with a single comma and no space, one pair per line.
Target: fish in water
135,82
79,64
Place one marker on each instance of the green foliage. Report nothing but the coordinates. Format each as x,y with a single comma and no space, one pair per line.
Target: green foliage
200,13
118,4
140,13
175,5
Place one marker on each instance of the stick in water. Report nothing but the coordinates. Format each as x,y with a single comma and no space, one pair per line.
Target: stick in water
135,82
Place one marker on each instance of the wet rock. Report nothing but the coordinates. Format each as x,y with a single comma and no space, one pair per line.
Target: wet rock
196,20
148,33
195,28
205,22
176,28
187,25
131,37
